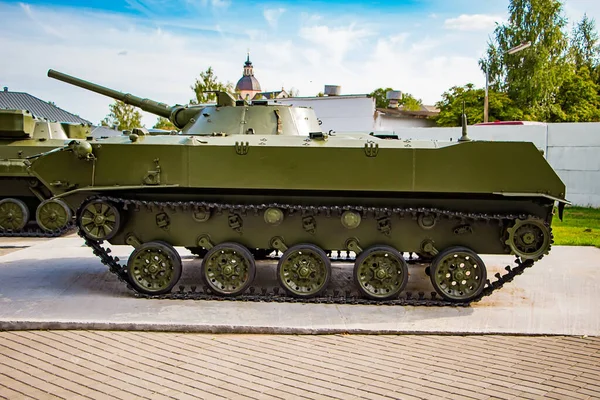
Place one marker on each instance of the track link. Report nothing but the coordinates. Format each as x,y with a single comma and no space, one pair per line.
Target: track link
38,232
331,297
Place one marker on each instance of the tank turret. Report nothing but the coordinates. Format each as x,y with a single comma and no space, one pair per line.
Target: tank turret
226,117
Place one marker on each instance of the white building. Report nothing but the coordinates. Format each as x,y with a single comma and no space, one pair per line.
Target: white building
358,112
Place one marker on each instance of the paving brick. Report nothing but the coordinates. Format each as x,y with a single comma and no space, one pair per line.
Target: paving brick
560,382
586,379
567,393
10,393
527,396
183,396
593,393
407,394
165,365
376,395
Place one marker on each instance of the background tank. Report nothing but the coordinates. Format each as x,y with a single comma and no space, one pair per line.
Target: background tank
24,206
307,198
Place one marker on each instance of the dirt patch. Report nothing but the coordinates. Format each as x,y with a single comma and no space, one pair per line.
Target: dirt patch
10,249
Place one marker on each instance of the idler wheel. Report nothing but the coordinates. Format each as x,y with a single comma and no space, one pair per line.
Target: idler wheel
154,268
381,273
458,274
99,220
53,215
14,214
304,270
529,238
228,269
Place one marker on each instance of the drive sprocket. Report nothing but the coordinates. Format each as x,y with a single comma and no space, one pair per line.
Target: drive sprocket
529,238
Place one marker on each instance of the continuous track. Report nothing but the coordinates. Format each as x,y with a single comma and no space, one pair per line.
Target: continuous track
38,232
201,292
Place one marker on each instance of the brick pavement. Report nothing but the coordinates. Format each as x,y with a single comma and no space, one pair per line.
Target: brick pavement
128,365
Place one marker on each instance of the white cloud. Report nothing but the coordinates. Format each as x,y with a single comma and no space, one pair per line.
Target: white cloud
47,28
425,45
334,42
220,3
254,34
473,22
422,74
574,10
310,19
159,58
272,15
205,3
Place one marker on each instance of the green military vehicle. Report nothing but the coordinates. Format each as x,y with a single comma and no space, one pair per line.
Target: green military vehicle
26,207
245,177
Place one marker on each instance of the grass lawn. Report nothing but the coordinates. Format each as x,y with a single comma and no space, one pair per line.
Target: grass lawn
580,227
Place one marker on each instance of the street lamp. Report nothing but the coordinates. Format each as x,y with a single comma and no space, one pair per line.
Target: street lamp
513,50
518,48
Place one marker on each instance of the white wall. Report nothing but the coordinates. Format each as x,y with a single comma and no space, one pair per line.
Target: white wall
508,133
392,124
574,152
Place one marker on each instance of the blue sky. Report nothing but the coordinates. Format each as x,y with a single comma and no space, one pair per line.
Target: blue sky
156,48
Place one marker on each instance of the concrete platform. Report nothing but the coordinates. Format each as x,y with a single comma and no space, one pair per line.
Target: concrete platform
60,284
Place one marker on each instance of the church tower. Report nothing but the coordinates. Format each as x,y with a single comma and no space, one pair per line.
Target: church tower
248,85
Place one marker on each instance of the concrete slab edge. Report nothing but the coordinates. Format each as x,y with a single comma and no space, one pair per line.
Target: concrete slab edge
235,329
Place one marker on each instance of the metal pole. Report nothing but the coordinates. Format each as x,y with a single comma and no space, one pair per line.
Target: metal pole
486,100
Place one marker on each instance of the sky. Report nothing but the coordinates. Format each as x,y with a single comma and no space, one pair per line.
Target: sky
157,48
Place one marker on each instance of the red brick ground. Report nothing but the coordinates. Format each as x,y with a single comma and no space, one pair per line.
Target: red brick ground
128,365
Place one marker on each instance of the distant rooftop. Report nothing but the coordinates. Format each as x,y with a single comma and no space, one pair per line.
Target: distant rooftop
274,94
352,96
424,112
38,107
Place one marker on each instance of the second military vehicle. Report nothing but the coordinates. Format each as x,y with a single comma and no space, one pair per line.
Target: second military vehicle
25,205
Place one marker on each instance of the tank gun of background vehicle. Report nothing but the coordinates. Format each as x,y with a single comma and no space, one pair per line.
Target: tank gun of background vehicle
179,115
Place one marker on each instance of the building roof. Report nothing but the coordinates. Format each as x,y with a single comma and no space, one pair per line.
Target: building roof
339,96
248,82
38,107
424,112
271,95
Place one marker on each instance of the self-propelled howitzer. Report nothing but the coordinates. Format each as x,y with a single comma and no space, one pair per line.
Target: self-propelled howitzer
240,193
227,116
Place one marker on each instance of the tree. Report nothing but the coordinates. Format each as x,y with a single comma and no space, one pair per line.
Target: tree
320,94
408,102
584,44
293,92
532,78
124,115
164,123
451,106
208,81
380,97
578,98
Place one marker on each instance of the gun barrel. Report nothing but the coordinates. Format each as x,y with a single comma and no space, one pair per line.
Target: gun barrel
148,105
